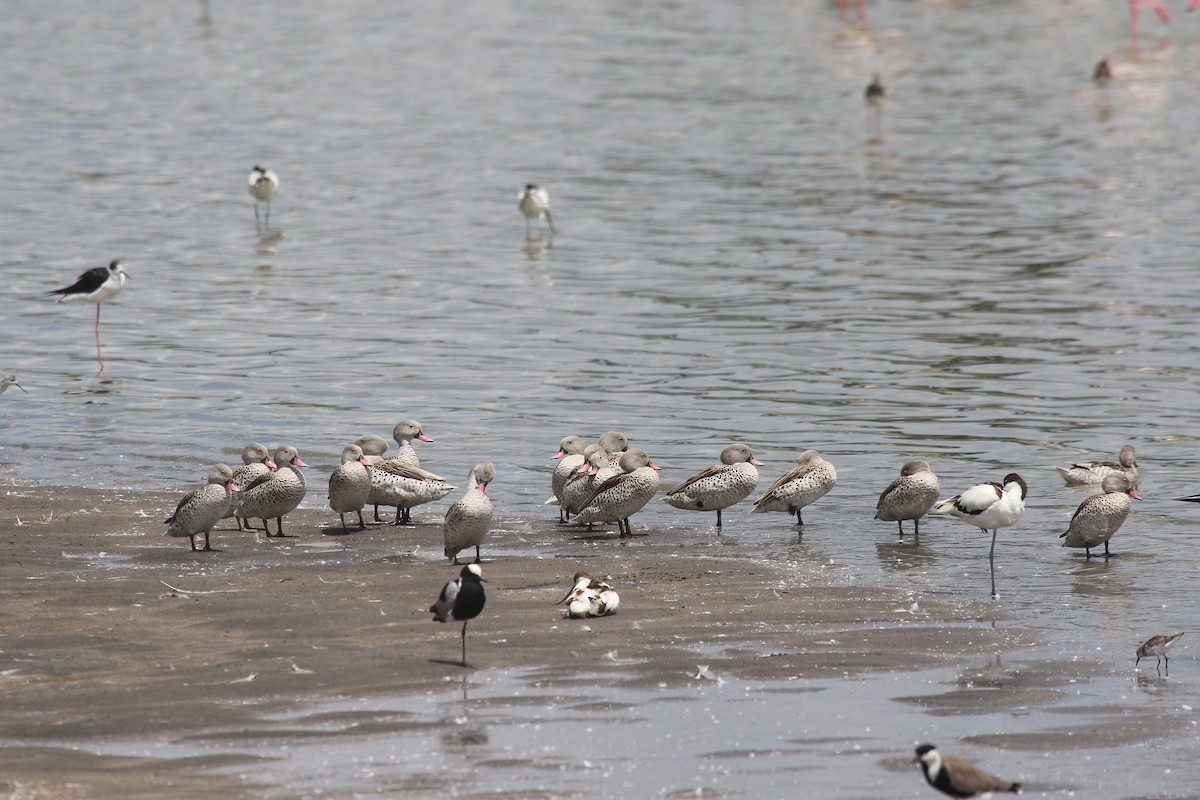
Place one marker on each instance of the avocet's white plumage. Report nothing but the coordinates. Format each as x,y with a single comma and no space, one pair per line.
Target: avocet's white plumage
256,462
535,204
263,183
989,506
590,598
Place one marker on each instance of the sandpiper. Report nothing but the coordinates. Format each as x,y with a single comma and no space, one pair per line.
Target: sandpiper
349,485
535,204
1158,646
469,518
622,496
201,509
263,183
10,380
909,497
1082,473
989,506
874,92
957,777
461,599
719,486
801,486
1099,516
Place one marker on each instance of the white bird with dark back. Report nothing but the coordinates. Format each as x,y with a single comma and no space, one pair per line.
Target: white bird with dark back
462,599
201,509
989,506
469,518
94,286
1099,516
589,597
349,485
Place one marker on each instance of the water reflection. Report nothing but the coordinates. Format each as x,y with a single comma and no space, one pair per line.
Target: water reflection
462,732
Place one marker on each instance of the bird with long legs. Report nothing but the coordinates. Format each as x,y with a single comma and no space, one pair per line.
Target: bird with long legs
462,599
989,506
94,286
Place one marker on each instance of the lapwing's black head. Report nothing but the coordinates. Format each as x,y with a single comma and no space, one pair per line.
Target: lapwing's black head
924,750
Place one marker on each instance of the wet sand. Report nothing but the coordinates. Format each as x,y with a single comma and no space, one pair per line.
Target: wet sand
112,630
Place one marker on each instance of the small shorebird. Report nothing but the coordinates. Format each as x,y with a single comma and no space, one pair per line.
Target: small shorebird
349,485
989,506
623,495
803,485
1099,516
589,597
1083,473
1102,74
535,204
468,518
461,599
10,380
262,184
874,92
959,778
256,462
94,286
1158,646
719,486
570,453
276,494
201,509
909,497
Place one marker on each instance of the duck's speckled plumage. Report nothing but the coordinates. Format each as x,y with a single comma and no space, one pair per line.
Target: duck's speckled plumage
349,485
806,483
395,484
910,496
622,496
1083,473
469,518
719,486
202,508
274,496
1099,516
256,462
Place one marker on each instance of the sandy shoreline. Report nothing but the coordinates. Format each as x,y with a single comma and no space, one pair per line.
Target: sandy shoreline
112,630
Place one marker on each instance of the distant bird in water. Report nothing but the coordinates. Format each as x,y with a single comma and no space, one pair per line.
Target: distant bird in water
1099,516
462,599
263,183
875,91
1102,74
535,204
1084,473
94,286
10,380
989,506
202,508
959,778
806,483
1157,646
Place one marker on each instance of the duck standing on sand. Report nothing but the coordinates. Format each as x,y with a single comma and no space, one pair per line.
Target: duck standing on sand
349,485
469,518
201,509
275,495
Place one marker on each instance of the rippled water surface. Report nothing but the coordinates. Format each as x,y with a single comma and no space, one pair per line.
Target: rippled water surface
996,271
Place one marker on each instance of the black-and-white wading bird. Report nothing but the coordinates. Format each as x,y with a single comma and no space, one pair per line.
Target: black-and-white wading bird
263,183
989,506
94,286
461,600
10,380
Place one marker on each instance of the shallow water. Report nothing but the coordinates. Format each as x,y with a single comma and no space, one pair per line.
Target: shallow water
996,274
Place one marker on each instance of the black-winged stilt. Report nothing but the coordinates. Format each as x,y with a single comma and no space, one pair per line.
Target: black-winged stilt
94,286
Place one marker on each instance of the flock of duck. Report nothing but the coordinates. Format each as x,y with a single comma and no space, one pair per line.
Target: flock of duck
607,481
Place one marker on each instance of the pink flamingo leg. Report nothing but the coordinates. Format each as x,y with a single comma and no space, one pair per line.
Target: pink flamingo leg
860,5
1155,6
